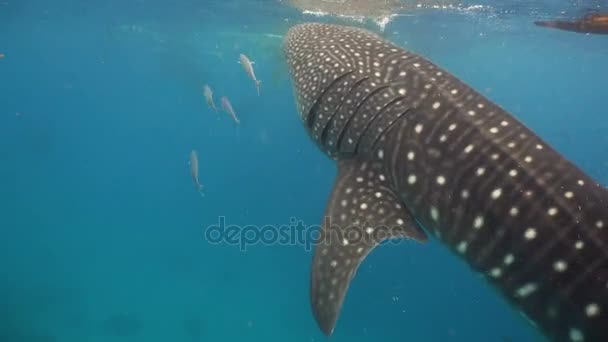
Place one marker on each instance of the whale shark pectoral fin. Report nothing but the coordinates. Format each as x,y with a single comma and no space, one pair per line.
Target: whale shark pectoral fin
362,212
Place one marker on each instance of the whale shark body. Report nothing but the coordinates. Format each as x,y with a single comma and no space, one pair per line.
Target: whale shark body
421,153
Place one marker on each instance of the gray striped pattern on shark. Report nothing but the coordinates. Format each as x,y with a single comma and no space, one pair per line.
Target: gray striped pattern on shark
414,145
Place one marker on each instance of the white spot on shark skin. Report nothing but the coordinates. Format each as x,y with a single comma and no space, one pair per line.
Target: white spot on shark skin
400,221
576,335
513,173
462,247
560,266
480,171
496,193
402,91
452,127
363,206
599,224
359,250
581,182
410,155
343,203
526,290
528,159
454,91
509,259
411,179
436,105
496,272
381,154
579,244
468,149
552,211
568,194
530,234
434,214
418,128
344,242
478,222
514,211
464,194
333,263
592,310
440,180
494,130
369,230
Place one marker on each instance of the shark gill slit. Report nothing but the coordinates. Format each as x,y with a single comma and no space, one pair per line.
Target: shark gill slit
331,119
350,118
388,127
310,118
376,116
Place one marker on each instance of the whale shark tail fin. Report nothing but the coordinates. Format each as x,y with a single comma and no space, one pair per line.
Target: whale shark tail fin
362,212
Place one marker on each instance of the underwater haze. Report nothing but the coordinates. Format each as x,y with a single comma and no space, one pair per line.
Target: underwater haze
104,236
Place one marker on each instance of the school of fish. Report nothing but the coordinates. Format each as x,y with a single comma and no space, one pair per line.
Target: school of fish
225,106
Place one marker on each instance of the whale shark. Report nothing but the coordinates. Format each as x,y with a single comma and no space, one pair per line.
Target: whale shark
422,155
591,23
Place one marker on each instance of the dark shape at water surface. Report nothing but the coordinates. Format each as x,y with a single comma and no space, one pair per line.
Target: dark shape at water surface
591,23
122,325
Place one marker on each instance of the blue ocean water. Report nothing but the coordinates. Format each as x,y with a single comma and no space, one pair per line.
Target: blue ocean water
102,231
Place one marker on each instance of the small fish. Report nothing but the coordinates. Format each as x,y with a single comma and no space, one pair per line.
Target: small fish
227,107
248,66
208,93
1,55
194,171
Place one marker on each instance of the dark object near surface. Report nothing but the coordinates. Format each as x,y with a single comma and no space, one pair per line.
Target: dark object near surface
591,23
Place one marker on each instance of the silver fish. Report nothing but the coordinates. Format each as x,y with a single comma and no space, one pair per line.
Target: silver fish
227,107
248,66
419,152
194,171
208,93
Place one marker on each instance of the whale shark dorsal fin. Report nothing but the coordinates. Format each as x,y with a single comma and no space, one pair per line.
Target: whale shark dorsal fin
361,213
